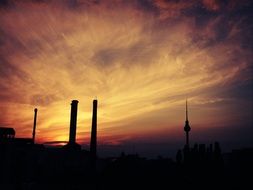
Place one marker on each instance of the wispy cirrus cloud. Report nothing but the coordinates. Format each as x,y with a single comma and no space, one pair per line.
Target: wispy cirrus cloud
140,58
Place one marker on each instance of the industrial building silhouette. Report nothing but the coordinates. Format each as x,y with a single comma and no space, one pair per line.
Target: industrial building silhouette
27,165
23,161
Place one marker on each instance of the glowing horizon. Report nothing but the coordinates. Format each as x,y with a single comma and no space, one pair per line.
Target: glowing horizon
141,59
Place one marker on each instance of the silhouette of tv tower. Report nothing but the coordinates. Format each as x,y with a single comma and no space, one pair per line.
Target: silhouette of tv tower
187,127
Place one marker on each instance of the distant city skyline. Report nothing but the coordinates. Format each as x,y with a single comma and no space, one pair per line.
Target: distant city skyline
141,59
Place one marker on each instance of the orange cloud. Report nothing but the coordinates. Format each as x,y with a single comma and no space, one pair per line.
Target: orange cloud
212,5
140,67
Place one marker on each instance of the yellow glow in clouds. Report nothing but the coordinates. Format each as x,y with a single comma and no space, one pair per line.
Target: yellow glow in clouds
139,66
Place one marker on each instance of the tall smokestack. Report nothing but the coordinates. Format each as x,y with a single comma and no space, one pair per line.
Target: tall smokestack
34,124
93,140
73,118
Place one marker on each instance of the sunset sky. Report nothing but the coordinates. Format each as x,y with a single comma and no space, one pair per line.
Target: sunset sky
140,58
